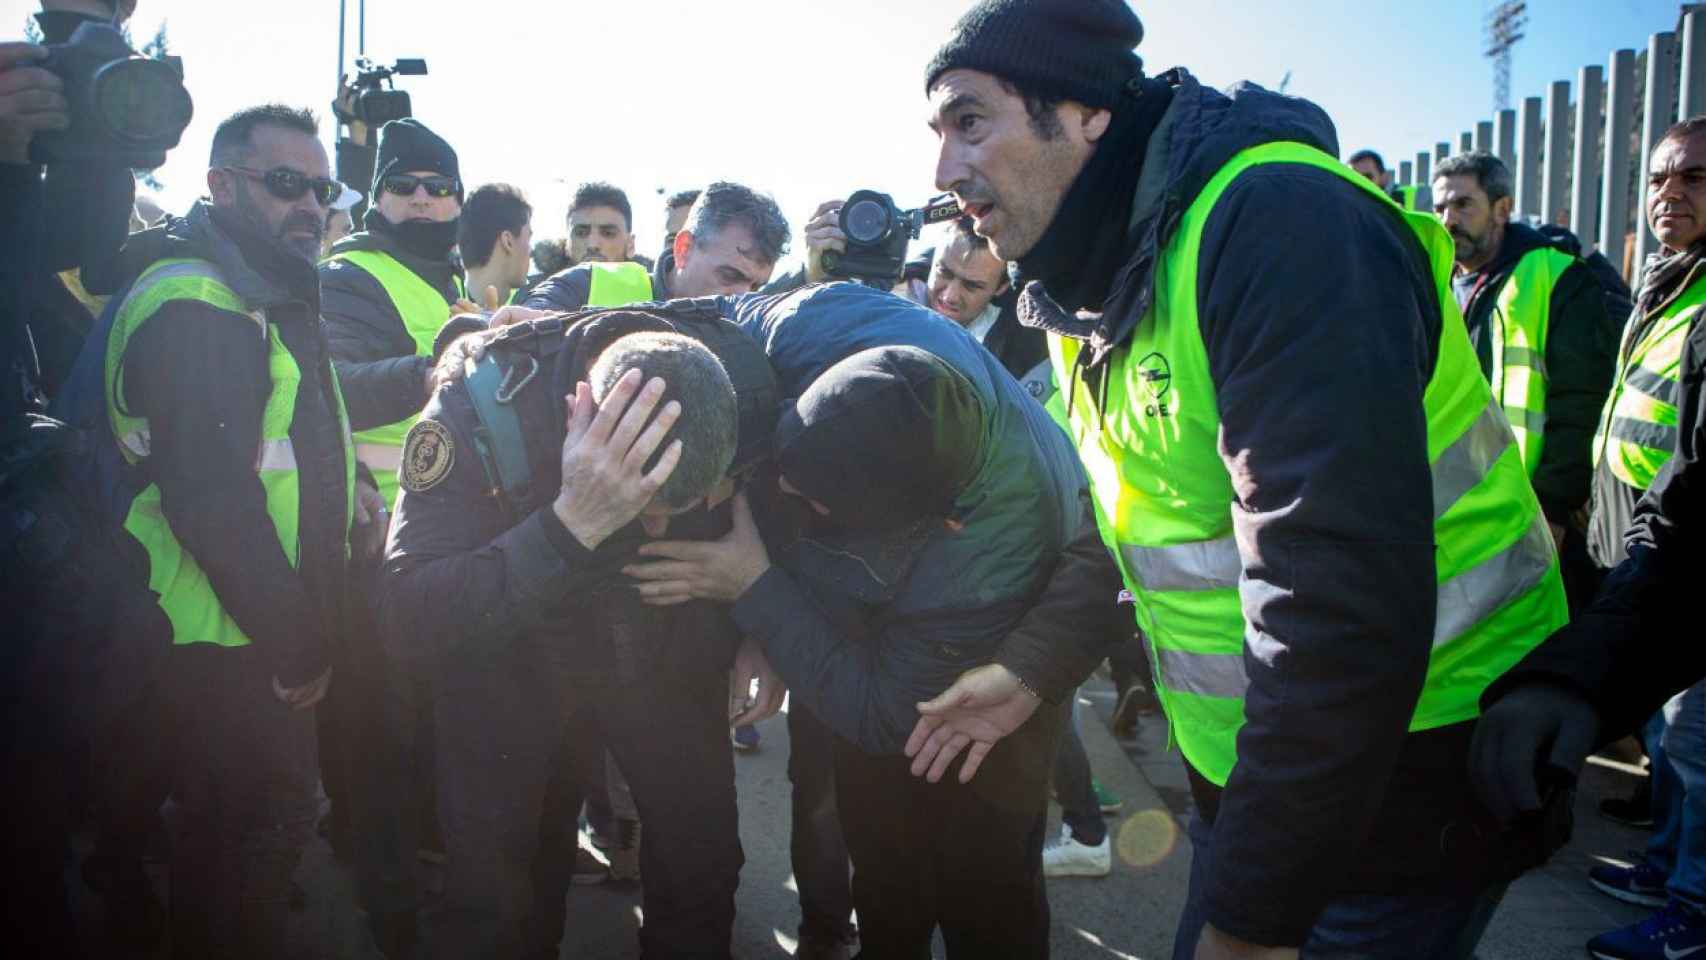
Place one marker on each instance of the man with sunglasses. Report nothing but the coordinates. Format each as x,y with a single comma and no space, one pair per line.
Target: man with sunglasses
222,398
389,288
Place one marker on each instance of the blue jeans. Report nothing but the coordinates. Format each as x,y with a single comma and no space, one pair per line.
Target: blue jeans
1437,925
1678,844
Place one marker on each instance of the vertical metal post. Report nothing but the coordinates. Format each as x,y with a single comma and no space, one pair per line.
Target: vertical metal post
361,28
1555,174
1484,136
1585,168
1504,138
1405,169
1466,141
1615,186
1424,180
1657,107
1442,150
343,8
1528,159
1693,65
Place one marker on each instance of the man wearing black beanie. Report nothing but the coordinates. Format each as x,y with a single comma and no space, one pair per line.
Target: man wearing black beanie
385,293
1300,472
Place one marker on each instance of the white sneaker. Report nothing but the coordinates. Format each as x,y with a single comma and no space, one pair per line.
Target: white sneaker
1069,858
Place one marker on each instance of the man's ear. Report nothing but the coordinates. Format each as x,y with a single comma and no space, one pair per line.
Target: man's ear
682,248
630,254
220,188
1093,121
1502,209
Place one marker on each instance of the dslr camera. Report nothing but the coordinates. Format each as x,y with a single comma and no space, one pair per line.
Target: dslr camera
377,100
877,233
126,109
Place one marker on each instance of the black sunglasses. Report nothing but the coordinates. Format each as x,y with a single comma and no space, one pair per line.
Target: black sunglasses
403,185
287,184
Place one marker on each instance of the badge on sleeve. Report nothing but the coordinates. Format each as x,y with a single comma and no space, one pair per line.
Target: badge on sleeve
428,455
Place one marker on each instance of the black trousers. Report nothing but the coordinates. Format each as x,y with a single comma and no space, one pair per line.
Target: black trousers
963,857
374,733
508,800
243,775
817,848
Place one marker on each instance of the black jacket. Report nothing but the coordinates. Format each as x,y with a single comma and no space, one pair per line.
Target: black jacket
200,376
1581,354
1321,322
1613,500
374,351
468,575
1639,642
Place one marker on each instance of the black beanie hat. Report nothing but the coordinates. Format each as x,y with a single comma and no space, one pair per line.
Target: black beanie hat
406,145
886,438
1068,49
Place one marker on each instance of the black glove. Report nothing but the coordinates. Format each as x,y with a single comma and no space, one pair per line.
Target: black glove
1534,729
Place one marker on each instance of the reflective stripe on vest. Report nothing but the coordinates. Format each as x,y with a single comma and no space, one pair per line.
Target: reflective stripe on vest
618,284
1520,324
1163,501
1638,428
183,590
424,312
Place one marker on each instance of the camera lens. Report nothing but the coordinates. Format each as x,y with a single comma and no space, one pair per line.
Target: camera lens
141,101
865,220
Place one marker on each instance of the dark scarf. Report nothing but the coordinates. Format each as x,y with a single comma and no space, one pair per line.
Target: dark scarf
1662,272
1084,245
428,240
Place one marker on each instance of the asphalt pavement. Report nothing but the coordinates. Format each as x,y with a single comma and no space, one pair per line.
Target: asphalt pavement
1128,915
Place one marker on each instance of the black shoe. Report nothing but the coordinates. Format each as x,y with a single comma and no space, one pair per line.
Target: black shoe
1635,810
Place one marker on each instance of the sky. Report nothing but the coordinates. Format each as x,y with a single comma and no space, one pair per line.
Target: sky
807,99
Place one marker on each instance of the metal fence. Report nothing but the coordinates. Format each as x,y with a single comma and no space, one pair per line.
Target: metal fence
1579,152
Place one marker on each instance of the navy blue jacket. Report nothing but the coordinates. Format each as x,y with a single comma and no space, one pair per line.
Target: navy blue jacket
864,629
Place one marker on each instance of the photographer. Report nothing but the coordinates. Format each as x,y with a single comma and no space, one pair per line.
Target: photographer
63,216
56,217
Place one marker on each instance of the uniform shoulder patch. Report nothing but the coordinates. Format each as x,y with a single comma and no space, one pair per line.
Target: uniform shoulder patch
428,455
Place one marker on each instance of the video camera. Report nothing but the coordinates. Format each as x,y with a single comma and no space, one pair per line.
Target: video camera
126,109
377,100
877,232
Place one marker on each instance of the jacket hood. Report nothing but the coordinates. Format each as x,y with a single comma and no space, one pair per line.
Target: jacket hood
1519,240
1202,129
254,266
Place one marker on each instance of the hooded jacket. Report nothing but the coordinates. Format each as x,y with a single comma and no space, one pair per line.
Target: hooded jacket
201,378
376,357
1321,324
1581,356
863,627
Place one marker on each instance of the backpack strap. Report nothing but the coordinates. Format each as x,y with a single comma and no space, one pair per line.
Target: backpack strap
498,438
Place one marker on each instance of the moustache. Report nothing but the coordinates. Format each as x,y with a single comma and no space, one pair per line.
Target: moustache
302,221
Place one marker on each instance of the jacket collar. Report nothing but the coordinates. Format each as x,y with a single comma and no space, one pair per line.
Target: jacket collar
1200,132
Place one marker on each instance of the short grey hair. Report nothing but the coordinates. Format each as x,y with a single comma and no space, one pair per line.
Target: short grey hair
723,203
693,377
1490,173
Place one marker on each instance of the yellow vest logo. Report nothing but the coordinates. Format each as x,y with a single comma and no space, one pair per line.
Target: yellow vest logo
1157,376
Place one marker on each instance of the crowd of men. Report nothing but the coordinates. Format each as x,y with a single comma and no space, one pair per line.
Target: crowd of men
484,536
